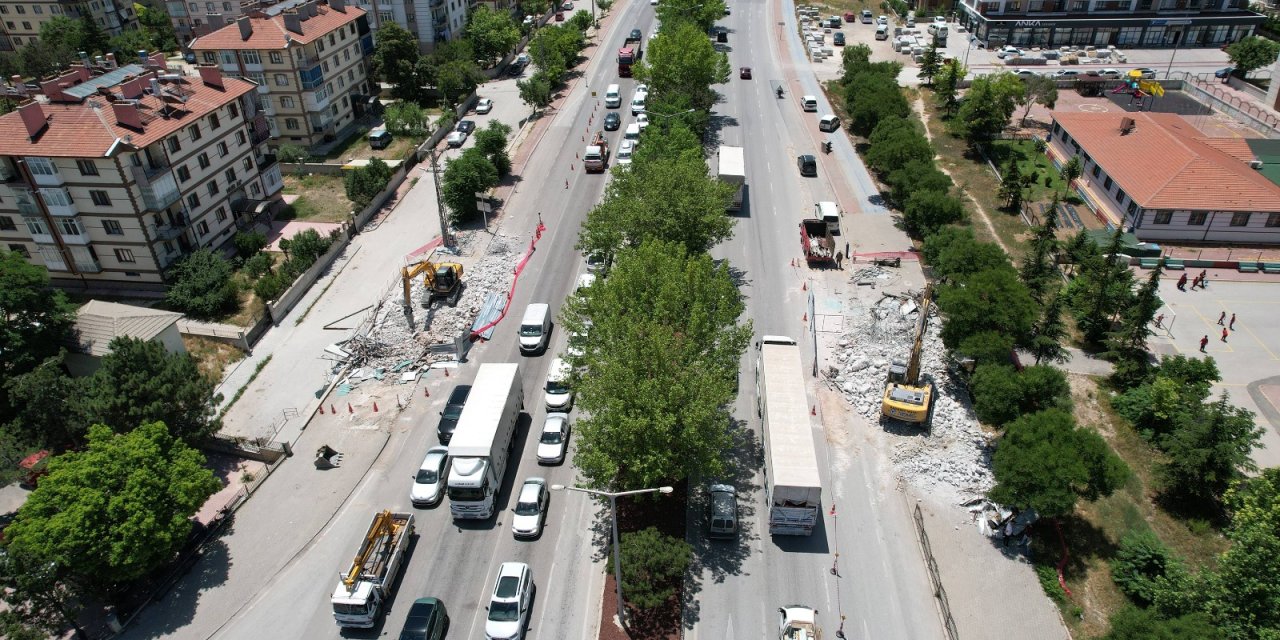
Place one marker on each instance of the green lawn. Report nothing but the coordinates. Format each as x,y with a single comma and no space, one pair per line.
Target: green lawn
322,199
1024,152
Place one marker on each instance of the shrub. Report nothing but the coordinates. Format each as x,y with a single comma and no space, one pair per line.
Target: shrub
259,265
652,563
292,153
1141,559
201,285
270,286
249,242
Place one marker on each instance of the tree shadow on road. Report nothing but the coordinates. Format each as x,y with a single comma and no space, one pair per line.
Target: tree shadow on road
168,609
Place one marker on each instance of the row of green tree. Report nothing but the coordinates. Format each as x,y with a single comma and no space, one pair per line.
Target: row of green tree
554,51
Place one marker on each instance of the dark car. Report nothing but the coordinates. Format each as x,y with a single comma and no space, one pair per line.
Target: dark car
452,411
612,121
1224,73
838,38
635,35
722,512
466,126
807,164
427,620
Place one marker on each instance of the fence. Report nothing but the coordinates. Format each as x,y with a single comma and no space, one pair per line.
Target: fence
948,622
1258,116
281,306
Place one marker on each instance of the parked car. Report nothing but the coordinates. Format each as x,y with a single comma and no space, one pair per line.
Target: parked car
568,6
838,39
429,483
635,34
849,16
807,164
1110,74
452,411
612,121
1147,73
455,139
427,620
1008,51
585,280
598,263
466,126
884,20
554,441
484,105
1224,73
722,512
866,16
1025,73
1066,74
510,603
642,120
531,509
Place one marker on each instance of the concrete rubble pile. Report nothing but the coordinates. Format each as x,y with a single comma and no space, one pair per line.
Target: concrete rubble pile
399,342
953,459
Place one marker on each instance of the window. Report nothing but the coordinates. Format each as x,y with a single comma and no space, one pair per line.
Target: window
282,80
87,167
25,25
193,201
100,198
286,102
184,174
210,57
221,214
276,58
331,40
1163,217
212,186
208,7
226,7
291,123
1197,218
41,166
22,9
240,138
203,159
125,255
346,55
112,227
37,10
1097,170
233,111
203,228
194,131
1273,220
174,145
1133,207
222,149
254,189
1120,196
70,227
20,249
230,175
1240,219
248,164
250,57
214,123
4,9
36,226
1106,184
7,224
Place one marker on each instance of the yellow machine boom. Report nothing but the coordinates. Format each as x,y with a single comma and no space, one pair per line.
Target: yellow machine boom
442,279
905,397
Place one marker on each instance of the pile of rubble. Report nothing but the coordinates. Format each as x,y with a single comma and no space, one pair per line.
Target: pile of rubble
953,458
394,342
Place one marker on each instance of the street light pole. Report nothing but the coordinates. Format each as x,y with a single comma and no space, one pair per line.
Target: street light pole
617,546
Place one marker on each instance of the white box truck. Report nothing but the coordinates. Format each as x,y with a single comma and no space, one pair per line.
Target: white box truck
371,577
481,443
792,484
732,169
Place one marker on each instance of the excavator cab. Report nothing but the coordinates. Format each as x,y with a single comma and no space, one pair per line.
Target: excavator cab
442,279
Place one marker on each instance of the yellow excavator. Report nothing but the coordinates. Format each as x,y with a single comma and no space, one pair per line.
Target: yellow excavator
442,279
906,397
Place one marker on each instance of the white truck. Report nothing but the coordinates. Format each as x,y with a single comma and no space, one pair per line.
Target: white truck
482,441
792,484
828,212
732,169
798,622
368,582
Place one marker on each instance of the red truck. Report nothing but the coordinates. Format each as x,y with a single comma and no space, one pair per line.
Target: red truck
816,241
628,55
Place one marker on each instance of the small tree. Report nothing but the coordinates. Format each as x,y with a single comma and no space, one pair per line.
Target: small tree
406,118
1208,450
249,243
491,33
464,177
1141,560
292,153
1070,171
536,91
931,63
1011,186
492,142
201,285
1049,332
947,86
1038,89
139,381
652,564
1253,52
928,211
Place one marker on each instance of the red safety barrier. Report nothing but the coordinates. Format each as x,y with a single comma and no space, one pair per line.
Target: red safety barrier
537,235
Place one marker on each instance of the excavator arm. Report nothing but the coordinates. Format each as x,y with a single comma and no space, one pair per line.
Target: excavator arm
383,526
913,366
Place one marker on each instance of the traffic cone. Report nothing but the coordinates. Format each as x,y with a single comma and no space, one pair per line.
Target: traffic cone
805,318
332,410
321,409
804,286
426,393
349,409
566,184
375,407
446,373
571,166
813,411
833,508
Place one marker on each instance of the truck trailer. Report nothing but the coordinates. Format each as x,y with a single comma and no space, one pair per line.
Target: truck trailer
816,241
732,170
481,443
792,484
368,582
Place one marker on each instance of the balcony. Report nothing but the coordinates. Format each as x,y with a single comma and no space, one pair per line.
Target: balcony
260,130
158,195
58,201
312,77
39,232
146,173
440,23
321,122
436,4
46,179
7,172
27,205
316,100
81,238
172,229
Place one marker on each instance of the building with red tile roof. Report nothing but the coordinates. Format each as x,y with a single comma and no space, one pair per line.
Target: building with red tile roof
309,61
109,174
1160,177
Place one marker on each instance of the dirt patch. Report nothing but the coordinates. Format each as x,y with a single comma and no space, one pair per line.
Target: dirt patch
321,199
663,623
211,355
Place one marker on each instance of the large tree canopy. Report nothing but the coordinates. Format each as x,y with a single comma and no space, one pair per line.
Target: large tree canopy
141,382
34,321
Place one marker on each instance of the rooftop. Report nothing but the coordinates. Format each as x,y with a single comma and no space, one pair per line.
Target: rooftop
276,29
98,322
1163,162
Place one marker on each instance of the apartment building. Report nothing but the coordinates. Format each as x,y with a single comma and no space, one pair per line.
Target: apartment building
1158,177
112,173
23,18
194,19
432,21
1129,24
309,61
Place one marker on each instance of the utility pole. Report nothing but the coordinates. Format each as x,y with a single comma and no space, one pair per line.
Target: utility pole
445,235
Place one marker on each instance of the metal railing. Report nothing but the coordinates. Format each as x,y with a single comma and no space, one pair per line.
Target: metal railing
948,622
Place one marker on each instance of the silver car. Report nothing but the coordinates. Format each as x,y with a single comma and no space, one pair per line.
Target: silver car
511,602
429,482
554,440
455,139
531,509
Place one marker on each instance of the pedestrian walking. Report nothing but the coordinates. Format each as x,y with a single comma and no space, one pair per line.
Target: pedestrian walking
1222,317
1195,282
1232,325
1160,320
1204,280
1203,343
1182,283
1225,331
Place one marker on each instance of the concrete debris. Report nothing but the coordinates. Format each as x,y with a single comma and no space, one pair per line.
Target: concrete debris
954,458
388,339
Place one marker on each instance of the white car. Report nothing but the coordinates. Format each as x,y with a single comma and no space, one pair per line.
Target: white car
642,89
455,139
1008,51
428,484
882,20
939,20
1025,73
585,280
642,120
577,346
653,3
1066,74
485,105
510,603
625,151
554,441
559,395
1106,73
531,509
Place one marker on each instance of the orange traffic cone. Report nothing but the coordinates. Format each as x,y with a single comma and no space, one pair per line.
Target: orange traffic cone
804,287
813,411
426,393
375,407
332,410
349,409
321,409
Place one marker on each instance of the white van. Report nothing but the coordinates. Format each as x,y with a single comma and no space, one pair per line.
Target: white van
612,97
637,103
882,32
559,397
632,132
809,103
911,18
535,327
829,212
829,123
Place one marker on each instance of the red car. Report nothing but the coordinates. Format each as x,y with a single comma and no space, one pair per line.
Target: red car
849,16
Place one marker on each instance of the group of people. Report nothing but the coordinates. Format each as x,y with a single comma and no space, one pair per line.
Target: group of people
1201,281
1227,328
